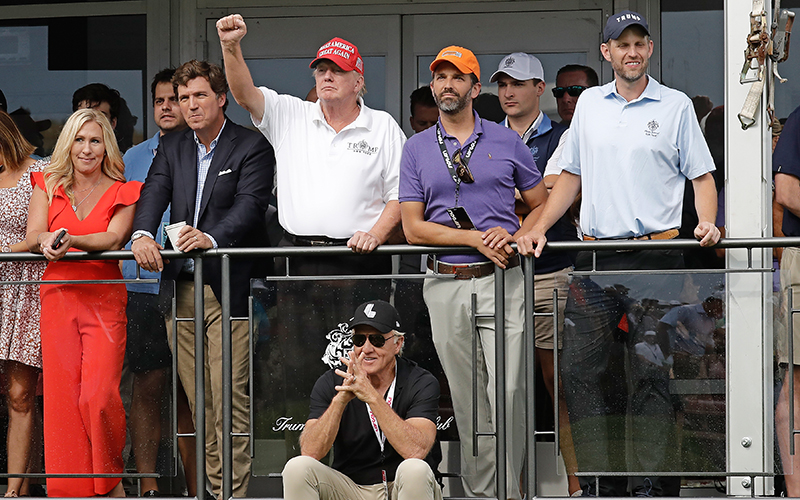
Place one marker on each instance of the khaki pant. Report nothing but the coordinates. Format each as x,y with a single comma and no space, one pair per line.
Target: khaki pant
305,478
185,360
543,285
449,303
790,276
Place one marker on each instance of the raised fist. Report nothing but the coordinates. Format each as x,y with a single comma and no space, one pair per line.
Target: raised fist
231,28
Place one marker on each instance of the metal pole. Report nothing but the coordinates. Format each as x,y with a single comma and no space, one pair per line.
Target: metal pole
199,379
531,488
227,381
474,320
556,376
500,378
251,386
173,407
790,368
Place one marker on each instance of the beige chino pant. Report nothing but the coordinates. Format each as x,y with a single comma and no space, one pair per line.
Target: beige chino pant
450,306
305,478
213,382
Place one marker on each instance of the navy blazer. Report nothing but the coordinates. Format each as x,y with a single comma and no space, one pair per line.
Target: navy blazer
232,208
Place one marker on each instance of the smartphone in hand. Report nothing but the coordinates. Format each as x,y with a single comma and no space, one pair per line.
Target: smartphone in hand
57,241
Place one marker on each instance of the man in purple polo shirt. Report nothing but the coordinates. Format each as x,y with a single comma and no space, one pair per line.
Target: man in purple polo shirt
457,182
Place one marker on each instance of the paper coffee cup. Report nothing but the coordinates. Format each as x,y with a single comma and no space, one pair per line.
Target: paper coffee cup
172,233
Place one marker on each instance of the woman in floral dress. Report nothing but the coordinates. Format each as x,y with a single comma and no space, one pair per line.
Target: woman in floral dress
20,347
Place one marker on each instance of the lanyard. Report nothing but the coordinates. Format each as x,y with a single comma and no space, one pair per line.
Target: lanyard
449,162
374,421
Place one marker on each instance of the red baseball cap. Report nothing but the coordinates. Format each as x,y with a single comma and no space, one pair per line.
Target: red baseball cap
342,53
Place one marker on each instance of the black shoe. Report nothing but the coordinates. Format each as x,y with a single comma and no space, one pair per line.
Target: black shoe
151,493
37,490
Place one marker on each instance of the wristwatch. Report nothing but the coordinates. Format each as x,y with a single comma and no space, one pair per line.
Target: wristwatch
5,249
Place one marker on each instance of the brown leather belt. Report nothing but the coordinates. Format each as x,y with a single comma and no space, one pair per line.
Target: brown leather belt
666,235
469,271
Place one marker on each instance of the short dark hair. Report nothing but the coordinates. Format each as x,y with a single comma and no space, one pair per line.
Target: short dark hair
214,74
163,76
591,75
422,97
96,93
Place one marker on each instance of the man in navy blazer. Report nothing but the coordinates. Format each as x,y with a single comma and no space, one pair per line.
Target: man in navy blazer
217,177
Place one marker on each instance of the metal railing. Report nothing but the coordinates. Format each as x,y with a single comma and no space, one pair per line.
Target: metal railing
226,255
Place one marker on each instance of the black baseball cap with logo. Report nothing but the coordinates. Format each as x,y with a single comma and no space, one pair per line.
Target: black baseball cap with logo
378,314
617,23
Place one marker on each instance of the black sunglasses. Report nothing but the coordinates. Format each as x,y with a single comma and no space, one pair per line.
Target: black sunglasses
376,339
573,90
462,171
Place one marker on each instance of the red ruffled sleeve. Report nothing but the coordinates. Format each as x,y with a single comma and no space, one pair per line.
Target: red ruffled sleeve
127,195
60,200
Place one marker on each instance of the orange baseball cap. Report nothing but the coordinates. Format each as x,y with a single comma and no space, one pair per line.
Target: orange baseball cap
461,58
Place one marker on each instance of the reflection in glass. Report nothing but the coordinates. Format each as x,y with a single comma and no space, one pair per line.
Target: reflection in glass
43,82
643,366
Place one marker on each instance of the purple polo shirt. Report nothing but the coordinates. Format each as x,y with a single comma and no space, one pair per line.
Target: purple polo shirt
499,163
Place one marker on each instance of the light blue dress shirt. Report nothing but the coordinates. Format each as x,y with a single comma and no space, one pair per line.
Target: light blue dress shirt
137,163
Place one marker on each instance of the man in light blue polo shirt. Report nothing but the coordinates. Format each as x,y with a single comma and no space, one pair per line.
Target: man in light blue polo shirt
147,350
631,146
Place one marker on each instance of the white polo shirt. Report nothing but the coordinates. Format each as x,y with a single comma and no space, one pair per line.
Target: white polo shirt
331,184
633,159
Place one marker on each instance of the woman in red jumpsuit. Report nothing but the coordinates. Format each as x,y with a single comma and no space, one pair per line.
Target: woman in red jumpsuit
83,194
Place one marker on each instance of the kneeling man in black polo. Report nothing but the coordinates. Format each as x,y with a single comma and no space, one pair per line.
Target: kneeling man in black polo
378,412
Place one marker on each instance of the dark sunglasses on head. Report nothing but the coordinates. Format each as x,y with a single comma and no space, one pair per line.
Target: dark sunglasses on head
573,90
462,171
376,339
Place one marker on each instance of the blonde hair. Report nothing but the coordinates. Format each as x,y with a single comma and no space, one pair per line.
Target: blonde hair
14,148
60,172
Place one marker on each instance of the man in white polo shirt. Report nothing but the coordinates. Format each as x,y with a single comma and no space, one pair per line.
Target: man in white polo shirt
632,144
338,160
338,165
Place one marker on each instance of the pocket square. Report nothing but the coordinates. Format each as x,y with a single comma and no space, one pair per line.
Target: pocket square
224,172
